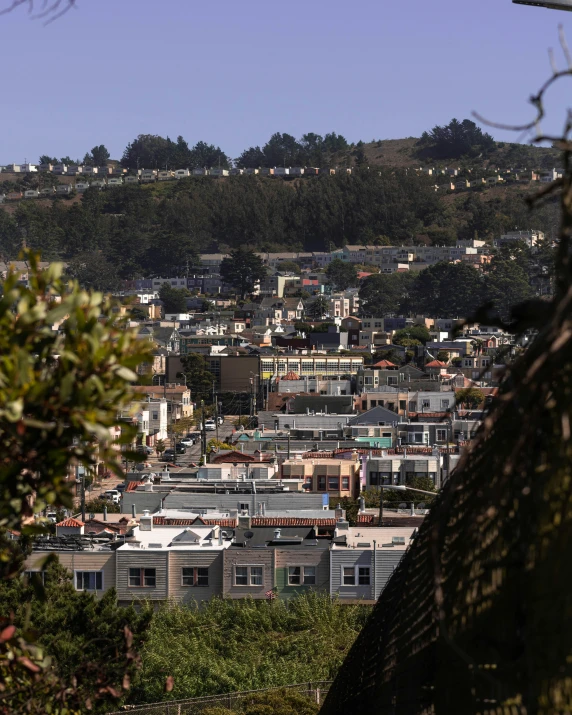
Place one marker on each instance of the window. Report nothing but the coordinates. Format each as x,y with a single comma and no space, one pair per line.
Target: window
142,578
241,575
192,576
333,484
348,576
321,484
248,575
363,575
345,483
88,580
301,575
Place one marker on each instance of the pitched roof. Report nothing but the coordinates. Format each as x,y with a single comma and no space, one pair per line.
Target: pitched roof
233,456
375,416
291,376
384,364
70,522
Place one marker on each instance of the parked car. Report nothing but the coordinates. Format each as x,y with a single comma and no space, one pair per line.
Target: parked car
210,425
145,449
112,495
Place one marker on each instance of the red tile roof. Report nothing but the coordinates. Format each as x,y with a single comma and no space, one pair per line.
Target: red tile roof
70,522
290,521
166,521
384,364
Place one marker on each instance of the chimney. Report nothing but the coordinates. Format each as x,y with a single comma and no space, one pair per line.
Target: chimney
276,534
146,521
133,512
104,513
244,521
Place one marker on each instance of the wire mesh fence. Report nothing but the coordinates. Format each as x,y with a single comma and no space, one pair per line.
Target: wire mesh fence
315,691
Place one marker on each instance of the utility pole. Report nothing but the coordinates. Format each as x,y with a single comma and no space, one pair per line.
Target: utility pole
215,399
82,494
203,433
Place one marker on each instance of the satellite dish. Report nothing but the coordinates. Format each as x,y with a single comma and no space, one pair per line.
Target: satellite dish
248,534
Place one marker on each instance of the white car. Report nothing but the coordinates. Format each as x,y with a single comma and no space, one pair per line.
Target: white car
112,495
210,425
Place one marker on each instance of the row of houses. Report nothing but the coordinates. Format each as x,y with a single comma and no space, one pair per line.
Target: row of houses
191,559
149,175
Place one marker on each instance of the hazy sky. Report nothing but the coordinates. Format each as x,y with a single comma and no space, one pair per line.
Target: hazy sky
232,72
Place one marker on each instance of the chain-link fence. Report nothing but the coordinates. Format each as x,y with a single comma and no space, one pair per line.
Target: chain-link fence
315,691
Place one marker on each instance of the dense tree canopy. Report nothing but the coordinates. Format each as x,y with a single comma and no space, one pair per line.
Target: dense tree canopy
385,294
158,230
341,275
455,140
149,151
285,150
242,270
174,299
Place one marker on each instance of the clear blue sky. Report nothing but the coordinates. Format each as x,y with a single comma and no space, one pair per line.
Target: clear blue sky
232,72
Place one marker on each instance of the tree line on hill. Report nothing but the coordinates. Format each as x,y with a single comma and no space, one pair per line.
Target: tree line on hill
455,140
129,232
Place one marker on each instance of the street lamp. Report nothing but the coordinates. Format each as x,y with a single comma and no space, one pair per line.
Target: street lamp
400,488
549,4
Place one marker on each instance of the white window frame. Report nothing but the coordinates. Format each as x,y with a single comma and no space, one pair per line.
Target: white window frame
302,576
356,575
88,571
249,575
343,582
